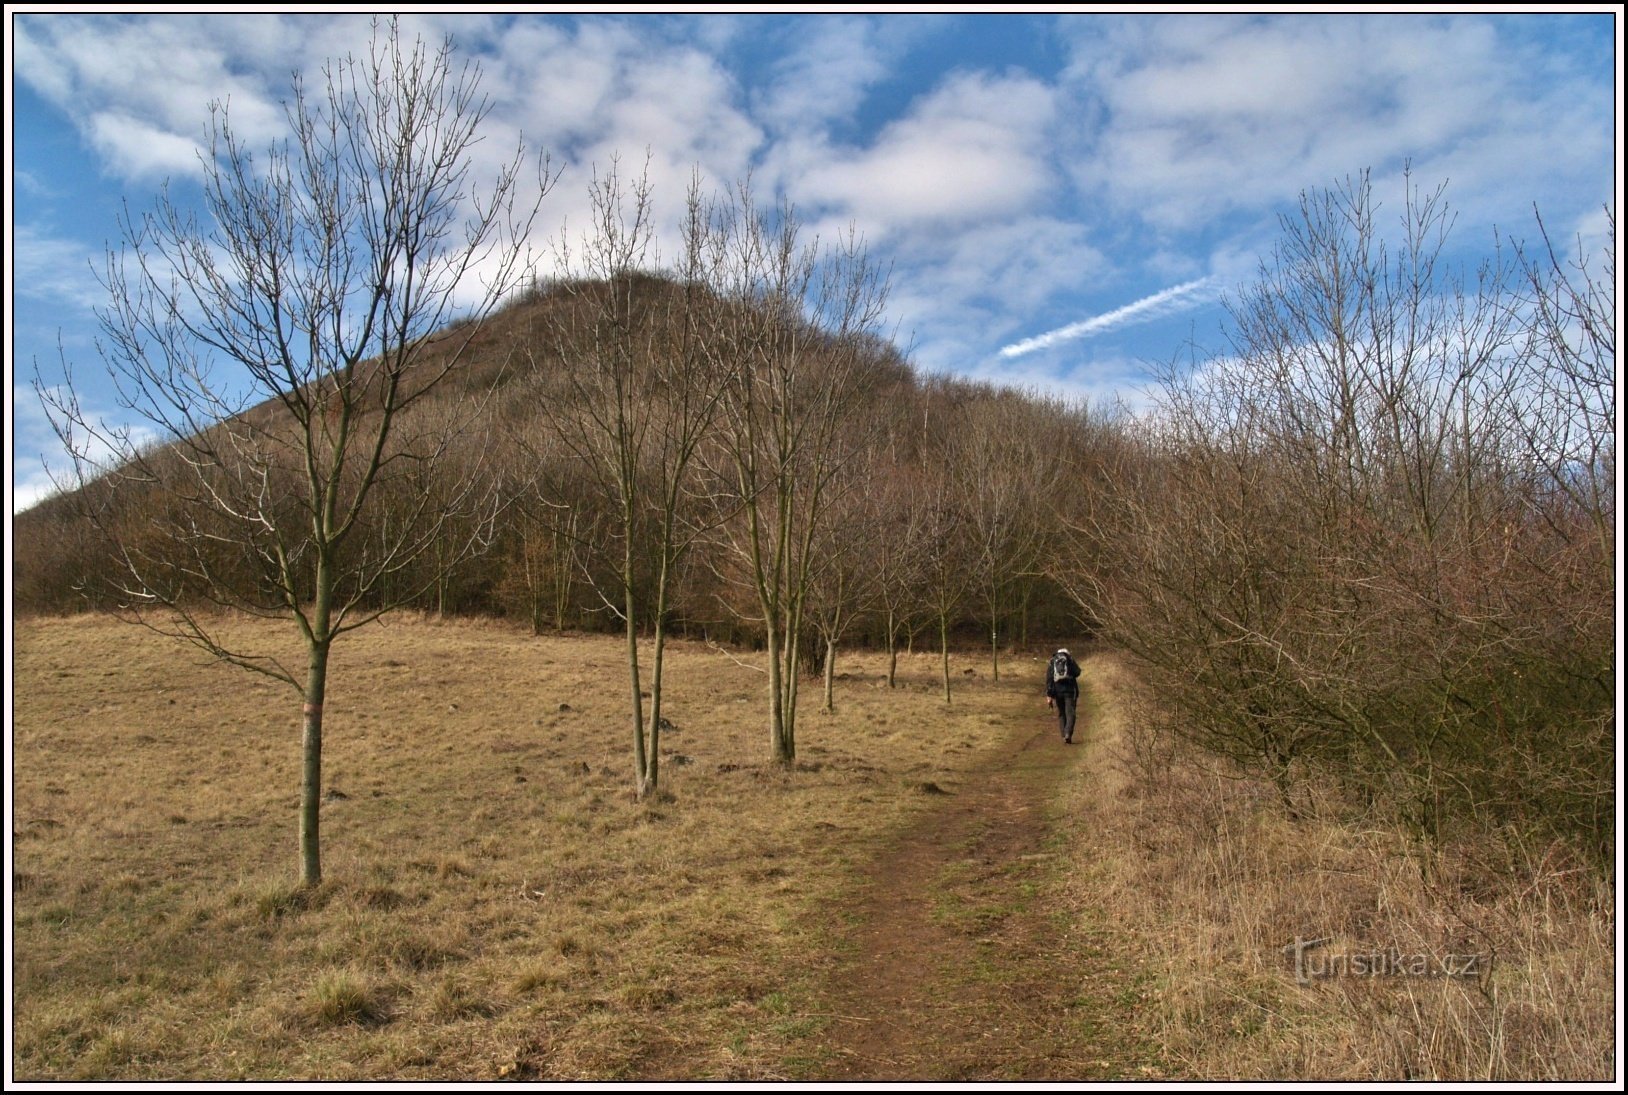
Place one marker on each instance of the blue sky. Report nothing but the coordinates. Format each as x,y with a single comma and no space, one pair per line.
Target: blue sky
1063,198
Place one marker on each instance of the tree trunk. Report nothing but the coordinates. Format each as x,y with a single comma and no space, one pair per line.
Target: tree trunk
830,673
994,649
630,618
777,728
316,687
560,574
534,585
788,712
441,580
652,764
944,648
892,649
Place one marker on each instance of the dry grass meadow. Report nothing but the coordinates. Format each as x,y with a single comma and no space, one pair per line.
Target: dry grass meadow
498,906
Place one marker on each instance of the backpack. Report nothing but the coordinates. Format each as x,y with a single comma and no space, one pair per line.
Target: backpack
1059,668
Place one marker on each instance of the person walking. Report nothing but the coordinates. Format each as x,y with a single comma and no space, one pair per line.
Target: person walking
1063,691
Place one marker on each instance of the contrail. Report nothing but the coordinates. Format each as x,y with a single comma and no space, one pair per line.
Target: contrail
1158,302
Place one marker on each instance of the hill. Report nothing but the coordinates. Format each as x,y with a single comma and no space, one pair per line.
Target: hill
510,381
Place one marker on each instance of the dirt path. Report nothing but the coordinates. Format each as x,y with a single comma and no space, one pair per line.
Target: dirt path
964,965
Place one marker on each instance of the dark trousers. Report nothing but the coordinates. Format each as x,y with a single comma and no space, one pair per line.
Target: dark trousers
1066,704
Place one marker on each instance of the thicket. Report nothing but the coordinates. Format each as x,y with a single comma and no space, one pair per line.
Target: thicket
1374,543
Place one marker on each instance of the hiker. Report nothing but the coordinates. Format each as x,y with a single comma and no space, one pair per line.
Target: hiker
1063,691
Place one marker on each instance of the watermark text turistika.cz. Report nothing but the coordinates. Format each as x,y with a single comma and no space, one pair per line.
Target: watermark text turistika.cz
1312,963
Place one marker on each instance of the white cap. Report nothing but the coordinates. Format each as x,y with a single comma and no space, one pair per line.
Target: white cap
1062,650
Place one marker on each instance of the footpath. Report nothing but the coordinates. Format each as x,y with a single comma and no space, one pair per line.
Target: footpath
962,962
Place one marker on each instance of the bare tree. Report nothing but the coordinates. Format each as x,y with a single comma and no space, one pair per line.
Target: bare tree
1008,469
285,351
795,337
845,577
638,396
945,564
900,553
1569,428
541,568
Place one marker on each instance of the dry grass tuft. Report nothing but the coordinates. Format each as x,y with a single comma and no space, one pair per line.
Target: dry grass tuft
348,998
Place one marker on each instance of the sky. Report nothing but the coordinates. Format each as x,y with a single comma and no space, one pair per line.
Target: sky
1064,201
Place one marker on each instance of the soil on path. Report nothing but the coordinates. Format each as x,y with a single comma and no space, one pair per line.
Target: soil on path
966,960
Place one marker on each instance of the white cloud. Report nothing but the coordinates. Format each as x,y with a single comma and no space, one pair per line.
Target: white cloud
1193,117
54,269
594,91
40,461
32,438
973,148
27,183
139,88
682,105
832,65
139,150
35,61
597,88
957,293
1177,298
